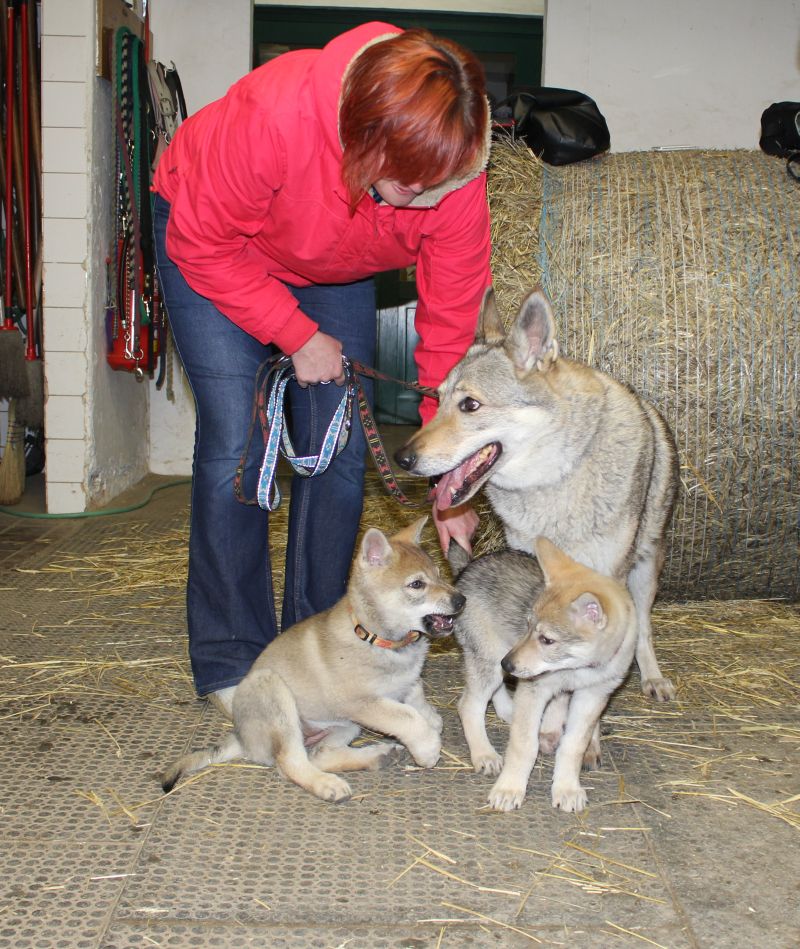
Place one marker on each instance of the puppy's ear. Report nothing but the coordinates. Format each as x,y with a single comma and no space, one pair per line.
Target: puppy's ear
587,608
412,534
532,343
375,548
490,324
552,559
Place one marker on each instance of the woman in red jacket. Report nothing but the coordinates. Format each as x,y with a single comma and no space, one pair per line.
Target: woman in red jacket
274,208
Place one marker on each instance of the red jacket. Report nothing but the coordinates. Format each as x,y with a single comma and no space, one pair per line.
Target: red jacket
256,198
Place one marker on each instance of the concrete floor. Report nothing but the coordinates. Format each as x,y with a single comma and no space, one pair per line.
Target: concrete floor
690,840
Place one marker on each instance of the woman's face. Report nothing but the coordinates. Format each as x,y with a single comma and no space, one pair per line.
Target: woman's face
396,194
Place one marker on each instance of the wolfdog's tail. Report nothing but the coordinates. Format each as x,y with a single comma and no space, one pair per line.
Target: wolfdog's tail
457,557
229,749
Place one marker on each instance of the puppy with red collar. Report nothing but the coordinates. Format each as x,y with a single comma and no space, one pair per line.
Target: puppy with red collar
356,665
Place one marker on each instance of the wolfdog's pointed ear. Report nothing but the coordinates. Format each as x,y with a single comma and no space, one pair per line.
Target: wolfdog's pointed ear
490,324
375,548
412,534
532,341
551,559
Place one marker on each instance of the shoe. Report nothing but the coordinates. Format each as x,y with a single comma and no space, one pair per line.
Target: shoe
222,700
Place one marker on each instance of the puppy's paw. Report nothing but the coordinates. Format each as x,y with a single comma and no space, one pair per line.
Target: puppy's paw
389,754
568,797
506,796
332,788
490,763
548,742
427,753
662,690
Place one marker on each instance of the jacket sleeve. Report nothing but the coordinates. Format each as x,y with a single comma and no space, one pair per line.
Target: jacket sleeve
220,204
453,272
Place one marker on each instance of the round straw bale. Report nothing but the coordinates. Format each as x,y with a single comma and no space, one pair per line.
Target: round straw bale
677,273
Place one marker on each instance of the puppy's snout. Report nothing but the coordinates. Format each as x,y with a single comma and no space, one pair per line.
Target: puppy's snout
406,457
507,663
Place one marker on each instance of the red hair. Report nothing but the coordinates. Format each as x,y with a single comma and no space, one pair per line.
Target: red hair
413,110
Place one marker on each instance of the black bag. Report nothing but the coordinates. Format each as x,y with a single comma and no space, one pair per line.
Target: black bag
780,129
780,134
559,125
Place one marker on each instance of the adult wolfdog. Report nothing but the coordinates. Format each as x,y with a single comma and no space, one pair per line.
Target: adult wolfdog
565,452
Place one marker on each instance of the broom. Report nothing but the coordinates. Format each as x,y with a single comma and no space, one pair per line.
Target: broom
12,464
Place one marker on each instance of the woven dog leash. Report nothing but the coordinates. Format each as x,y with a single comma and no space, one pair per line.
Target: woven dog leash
272,377
372,435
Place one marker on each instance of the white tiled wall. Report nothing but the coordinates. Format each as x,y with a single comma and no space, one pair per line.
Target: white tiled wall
65,195
95,418
67,52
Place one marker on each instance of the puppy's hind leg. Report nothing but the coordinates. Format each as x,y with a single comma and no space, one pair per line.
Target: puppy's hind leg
592,757
227,750
334,752
268,723
553,720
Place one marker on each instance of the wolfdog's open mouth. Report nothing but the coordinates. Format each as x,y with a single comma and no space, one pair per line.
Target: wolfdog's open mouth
462,482
438,624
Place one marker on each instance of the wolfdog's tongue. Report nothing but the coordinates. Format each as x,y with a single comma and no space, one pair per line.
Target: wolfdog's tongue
451,483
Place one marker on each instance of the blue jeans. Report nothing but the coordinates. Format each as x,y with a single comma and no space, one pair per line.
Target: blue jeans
230,605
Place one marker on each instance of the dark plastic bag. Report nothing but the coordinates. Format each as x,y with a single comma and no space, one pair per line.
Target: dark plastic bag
561,126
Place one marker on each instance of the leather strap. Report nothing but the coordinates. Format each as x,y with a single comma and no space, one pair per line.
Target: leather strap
272,377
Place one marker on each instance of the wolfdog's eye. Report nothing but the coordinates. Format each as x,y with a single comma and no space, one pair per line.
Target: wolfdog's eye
416,584
545,640
469,404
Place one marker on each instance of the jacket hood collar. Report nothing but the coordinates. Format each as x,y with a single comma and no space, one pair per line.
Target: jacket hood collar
335,59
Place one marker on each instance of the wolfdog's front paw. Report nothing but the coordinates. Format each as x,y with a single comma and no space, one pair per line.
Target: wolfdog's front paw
662,690
506,796
330,787
569,797
490,763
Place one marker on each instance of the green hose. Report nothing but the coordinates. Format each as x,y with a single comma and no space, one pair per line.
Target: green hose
104,513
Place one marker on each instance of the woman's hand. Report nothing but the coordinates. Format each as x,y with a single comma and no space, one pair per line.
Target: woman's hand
319,360
456,523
